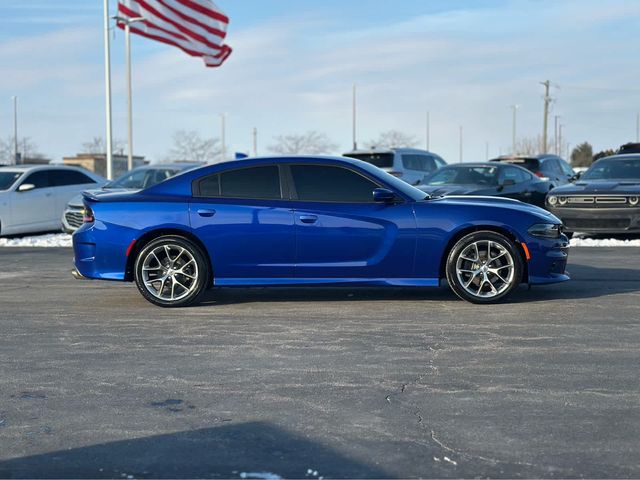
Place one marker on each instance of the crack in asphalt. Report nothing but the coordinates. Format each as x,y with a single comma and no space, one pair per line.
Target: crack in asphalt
457,455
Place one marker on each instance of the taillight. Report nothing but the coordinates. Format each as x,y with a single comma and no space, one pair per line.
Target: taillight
87,215
396,174
541,175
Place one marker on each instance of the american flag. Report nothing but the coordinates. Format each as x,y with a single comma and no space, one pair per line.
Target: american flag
197,27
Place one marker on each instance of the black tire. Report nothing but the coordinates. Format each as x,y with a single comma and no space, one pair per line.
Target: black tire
188,272
483,280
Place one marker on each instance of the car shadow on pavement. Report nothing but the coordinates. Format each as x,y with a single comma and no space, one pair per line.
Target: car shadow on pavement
246,450
586,282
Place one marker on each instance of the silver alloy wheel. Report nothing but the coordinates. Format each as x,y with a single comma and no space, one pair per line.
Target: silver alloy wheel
485,269
170,272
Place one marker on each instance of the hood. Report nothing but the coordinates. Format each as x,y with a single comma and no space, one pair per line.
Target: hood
599,186
498,203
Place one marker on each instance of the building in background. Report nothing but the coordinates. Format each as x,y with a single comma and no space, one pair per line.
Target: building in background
97,162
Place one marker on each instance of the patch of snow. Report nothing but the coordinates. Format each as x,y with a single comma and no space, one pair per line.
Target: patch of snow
603,242
261,475
49,240
452,462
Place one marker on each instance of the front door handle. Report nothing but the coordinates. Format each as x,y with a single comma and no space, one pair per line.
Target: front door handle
308,218
205,212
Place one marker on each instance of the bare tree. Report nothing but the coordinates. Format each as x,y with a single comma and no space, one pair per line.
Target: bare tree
27,148
531,146
310,143
97,146
189,146
393,139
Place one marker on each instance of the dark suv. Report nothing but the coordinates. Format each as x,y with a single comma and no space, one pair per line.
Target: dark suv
547,167
629,148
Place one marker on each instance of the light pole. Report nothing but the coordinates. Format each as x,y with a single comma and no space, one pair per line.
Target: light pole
353,119
556,135
513,128
460,143
107,83
16,155
428,128
127,48
255,142
223,147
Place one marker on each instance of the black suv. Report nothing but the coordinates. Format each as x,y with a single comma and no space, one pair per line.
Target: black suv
629,148
550,167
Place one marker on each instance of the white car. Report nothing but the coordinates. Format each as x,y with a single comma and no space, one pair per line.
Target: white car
33,197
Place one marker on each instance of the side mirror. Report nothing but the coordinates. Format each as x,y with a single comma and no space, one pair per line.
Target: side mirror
25,187
576,177
383,195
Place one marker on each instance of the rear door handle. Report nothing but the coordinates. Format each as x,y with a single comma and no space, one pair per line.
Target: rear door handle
204,212
308,218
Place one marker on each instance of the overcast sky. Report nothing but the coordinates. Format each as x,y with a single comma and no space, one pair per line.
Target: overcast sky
294,63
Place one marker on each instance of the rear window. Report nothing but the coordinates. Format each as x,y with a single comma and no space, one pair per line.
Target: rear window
531,164
423,163
380,160
249,183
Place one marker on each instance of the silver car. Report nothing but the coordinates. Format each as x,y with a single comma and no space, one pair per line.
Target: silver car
136,179
409,164
32,197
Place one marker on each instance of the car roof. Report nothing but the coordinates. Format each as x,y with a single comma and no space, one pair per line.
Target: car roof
620,157
365,151
175,166
27,167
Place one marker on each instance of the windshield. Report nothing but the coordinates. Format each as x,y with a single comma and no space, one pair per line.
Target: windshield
614,169
380,160
8,178
142,178
464,176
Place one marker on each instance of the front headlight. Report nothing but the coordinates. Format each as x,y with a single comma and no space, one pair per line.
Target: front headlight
546,230
552,199
633,201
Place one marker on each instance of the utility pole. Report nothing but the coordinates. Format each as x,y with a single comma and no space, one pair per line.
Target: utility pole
547,101
559,139
107,82
353,120
16,154
223,146
556,136
513,129
127,49
255,142
460,143
428,130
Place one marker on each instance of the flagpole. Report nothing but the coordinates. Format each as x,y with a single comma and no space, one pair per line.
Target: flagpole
107,81
355,142
127,46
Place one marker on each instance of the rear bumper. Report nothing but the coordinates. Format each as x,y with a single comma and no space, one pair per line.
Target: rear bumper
599,220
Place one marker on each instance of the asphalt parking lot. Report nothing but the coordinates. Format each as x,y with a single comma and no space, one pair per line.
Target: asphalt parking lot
96,382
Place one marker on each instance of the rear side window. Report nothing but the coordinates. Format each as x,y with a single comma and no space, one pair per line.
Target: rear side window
380,160
515,174
61,178
319,183
566,168
551,166
39,179
423,163
250,183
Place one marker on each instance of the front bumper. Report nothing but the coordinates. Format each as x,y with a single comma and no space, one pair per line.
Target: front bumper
599,220
549,258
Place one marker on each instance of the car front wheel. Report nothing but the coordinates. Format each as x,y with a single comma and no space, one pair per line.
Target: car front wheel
484,267
171,271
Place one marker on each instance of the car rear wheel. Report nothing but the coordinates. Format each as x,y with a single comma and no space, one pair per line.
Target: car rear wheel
484,267
171,271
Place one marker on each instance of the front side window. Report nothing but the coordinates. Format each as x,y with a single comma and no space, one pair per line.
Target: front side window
566,168
250,183
319,183
515,174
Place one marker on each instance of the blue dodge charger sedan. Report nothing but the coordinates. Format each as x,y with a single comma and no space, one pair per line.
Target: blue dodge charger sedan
312,221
